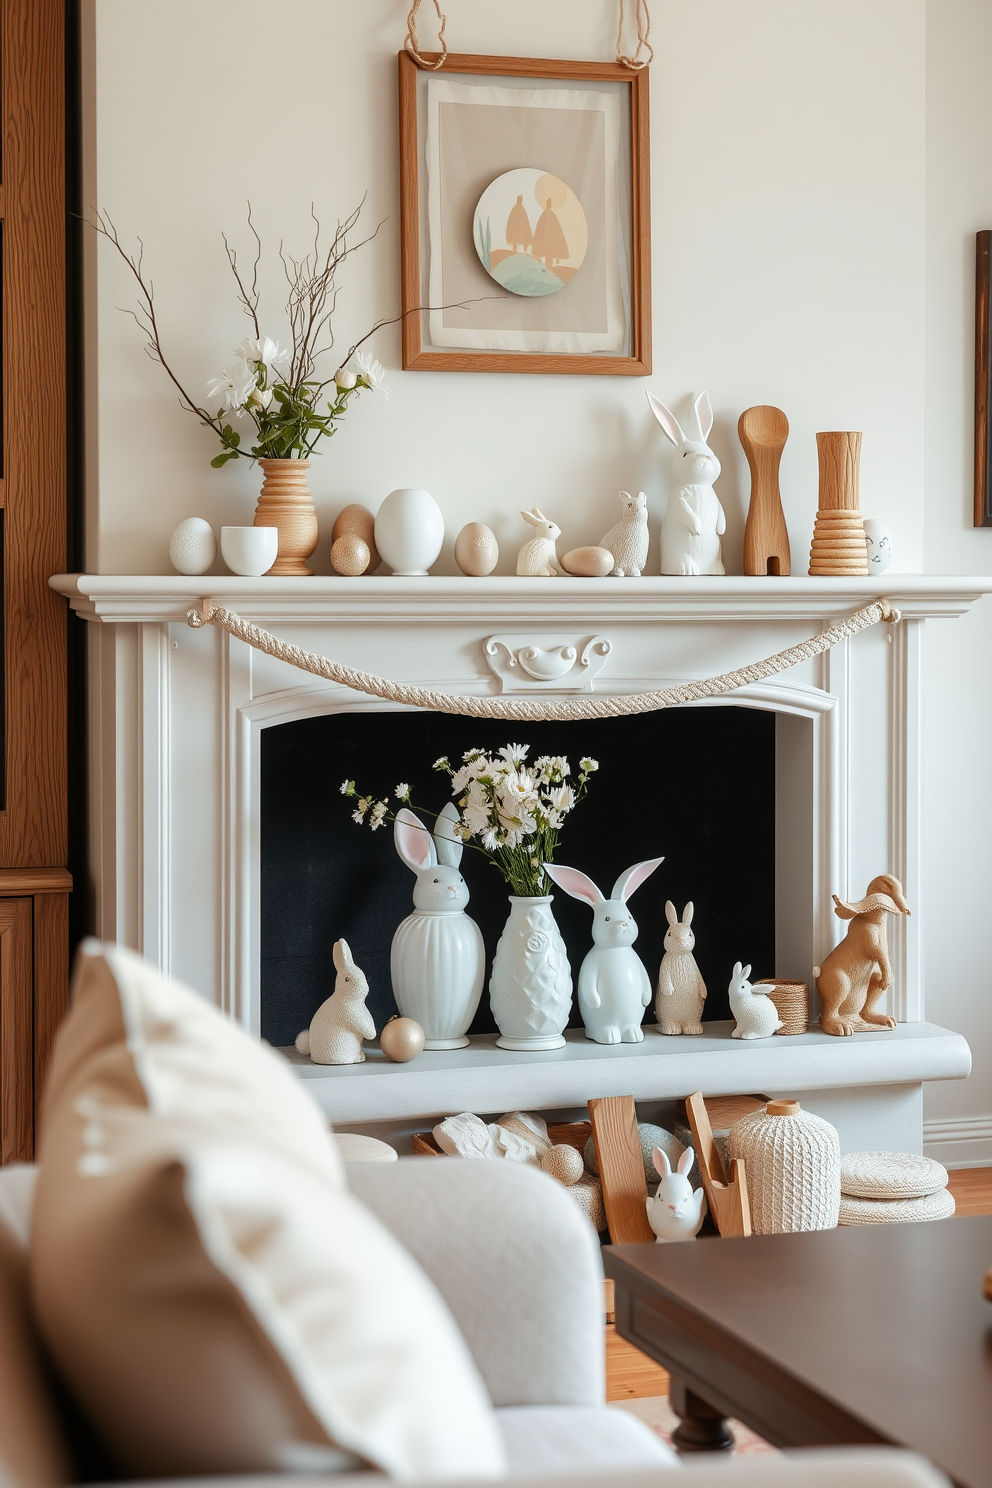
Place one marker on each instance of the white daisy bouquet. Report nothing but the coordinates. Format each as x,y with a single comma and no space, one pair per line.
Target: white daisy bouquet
509,810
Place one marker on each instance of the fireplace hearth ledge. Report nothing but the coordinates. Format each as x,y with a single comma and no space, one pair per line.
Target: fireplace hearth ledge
485,1079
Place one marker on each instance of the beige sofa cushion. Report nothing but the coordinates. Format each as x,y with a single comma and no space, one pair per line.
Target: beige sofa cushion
214,1296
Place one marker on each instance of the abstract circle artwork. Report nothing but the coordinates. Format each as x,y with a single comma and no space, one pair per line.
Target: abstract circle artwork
530,232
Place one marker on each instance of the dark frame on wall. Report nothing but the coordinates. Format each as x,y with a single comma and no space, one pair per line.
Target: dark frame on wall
983,379
415,227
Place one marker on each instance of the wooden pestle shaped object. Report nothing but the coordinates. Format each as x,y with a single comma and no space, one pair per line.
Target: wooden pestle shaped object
839,546
762,432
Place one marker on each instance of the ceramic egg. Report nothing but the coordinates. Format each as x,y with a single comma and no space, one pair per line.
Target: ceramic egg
564,1163
879,545
402,1039
588,563
193,547
358,520
476,550
409,531
350,554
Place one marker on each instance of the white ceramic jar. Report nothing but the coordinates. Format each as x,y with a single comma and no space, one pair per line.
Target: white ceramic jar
249,551
409,532
792,1163
437,966
530,988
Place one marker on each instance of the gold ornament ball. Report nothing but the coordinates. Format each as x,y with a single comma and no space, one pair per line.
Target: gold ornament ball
359,520
402,1039
350,555
564,1163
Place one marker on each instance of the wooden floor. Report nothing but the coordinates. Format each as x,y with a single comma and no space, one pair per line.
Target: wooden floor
631,1375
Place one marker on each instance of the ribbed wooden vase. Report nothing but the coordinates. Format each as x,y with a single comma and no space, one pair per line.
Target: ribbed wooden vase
792,1162
839,544
286,503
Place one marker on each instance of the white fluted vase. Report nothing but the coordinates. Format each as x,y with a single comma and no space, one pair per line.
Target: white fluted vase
792,1165
437,966
530,988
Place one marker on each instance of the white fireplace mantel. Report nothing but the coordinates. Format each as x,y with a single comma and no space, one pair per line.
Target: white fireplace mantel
177,717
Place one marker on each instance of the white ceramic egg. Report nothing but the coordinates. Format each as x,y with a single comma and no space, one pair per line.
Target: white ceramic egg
409,531
193,547
879,545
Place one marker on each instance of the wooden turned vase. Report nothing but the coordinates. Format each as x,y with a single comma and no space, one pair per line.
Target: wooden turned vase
839,544
286,503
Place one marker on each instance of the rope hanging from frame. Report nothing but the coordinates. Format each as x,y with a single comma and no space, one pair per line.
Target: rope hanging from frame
536,710
634,63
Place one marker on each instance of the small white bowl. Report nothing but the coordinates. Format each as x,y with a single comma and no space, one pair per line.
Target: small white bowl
249,551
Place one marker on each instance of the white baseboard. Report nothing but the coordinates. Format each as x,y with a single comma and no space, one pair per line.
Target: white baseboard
959,1141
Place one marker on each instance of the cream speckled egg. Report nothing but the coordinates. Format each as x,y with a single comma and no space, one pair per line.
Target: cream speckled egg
350,554
402,1039
476,550
564,1163
359,520
193,547
588,563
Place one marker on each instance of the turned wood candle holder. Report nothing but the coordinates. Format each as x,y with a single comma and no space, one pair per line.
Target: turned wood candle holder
839,545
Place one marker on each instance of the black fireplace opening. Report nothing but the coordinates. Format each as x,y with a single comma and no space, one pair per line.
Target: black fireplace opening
695,785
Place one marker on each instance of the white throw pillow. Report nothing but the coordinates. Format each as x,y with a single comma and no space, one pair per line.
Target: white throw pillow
214,1295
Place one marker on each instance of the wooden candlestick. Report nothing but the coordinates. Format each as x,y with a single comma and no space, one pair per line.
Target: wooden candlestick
839,545
762,432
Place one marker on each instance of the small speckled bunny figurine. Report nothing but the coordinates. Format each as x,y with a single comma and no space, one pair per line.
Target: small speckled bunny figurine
694,520
341,1023
676,1212
627,540
681,989
538,558
756,1016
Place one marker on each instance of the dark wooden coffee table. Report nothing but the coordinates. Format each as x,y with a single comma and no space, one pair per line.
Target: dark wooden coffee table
875,1334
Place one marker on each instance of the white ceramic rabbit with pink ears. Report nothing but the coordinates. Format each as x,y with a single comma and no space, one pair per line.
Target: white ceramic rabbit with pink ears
438,959
614,986
694,521
676,1212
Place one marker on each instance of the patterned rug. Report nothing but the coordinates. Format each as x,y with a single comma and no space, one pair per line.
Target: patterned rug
656,1412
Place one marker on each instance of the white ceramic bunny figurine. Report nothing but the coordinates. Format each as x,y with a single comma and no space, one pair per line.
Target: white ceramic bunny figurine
757,1016
681,989
614,987
675,1213
628,539
339,1024
694,521
538,558
438,959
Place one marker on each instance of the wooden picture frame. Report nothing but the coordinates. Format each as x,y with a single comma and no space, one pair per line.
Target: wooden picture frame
983,379
419,354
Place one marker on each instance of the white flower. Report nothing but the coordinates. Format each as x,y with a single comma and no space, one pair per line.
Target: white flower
476,810
347,787
515,754
377,815
232,388
552,767
358,816
588,766
345,380
402,791
476,764
561,800
442,764
255,349
261,398
371,373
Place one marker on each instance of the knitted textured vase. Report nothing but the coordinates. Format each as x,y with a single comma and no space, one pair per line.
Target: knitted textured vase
792,1162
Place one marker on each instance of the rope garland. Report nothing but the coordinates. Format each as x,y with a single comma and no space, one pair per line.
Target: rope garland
633,63
531,710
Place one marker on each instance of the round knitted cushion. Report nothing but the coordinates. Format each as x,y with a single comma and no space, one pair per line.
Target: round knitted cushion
792,1165
895,1211
890,1175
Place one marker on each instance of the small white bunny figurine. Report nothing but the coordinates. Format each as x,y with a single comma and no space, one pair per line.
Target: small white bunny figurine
757,1016
339,1024
628,539
538,558
694,521
438,958
681,989
614,987
675,1213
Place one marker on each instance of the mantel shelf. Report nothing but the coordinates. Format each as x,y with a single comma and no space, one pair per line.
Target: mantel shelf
137,598
484,1079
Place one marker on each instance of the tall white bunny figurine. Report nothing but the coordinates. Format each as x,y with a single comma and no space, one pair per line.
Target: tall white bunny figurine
438,960
681,989
614,987
339,1024
538,558
628,539
675,1213
755,1013
694,521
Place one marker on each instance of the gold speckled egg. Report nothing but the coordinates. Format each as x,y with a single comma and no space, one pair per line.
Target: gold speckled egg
588,563
476,550
564,1163
350,554
402,1039
360,521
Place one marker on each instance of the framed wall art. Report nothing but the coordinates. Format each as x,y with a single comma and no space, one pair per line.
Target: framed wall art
983,380
525,216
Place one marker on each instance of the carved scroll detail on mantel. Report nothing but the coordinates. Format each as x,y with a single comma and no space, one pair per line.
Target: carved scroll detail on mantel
540,663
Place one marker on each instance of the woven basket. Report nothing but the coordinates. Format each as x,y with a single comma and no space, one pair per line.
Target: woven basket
792,1161
792,1001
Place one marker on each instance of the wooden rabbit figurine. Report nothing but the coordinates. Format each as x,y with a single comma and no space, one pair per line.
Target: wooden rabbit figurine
339,1024
538,558
628,539
694,521
681,989
857,972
